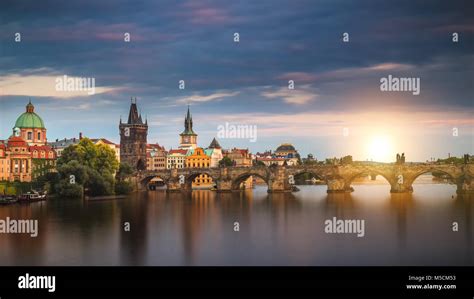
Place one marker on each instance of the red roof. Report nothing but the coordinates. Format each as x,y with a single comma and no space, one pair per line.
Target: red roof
155,146
242,152
178,151
15,141
271,159
41,147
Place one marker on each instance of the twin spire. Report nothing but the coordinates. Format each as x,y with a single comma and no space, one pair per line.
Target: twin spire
135,118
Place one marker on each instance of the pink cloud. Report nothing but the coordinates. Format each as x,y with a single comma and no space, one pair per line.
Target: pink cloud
459,28
200,13
86,31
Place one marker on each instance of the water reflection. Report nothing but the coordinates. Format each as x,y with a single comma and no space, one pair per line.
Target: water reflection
198,228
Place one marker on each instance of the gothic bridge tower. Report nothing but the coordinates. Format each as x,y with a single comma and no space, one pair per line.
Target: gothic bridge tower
133,139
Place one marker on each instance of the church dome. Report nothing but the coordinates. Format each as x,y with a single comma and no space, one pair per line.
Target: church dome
29,119
285,147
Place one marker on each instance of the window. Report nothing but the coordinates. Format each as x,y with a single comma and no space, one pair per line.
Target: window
30,136
39,136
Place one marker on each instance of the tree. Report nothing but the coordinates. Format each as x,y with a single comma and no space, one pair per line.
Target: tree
226,162
99,157
124,172
123,185
86,168
346,160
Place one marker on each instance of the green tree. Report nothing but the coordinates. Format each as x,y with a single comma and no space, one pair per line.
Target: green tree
86,168
124,172
99,157
225,162
123,185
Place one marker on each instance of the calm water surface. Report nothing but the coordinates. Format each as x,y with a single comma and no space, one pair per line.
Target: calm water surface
275,229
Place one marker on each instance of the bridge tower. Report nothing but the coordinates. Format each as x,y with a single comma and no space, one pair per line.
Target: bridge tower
133,139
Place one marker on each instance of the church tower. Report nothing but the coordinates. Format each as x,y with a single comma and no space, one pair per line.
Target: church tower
133,139
188,139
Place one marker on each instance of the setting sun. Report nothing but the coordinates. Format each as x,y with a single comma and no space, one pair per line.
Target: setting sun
380,149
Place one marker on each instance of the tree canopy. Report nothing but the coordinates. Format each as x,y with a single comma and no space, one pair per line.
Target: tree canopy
86,168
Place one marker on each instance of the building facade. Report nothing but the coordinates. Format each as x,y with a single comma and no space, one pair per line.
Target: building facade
133,139
156,157
240,157
214,151
197,158
288,152
176,158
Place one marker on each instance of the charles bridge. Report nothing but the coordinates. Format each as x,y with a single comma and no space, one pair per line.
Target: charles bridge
338,178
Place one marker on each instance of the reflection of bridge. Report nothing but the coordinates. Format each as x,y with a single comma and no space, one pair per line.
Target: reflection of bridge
337,177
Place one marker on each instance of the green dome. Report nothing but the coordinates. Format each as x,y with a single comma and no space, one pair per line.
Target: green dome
29,119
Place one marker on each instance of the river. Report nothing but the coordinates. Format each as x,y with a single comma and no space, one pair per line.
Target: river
248,228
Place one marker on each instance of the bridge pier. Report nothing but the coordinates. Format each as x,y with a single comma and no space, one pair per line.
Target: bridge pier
278,181
465,185
224,185
173,186
338,185
400,188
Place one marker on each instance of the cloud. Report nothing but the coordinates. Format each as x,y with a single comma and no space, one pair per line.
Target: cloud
202,99
42,86
326,123
298,96
200,13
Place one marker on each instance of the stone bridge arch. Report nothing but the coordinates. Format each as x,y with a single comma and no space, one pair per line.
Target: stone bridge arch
318,173
236,181
453,175
144,180
388,176
193,173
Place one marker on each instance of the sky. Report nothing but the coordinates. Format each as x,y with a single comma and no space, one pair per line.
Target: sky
336,108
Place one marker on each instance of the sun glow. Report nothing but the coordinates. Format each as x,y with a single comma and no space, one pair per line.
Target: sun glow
380,149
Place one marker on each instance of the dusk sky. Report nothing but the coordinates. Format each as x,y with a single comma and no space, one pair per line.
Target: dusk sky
337,84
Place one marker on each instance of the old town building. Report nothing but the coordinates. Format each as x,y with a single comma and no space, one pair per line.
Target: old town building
285,154
156,157
176,158
214,151
288,152
240,157
197,158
